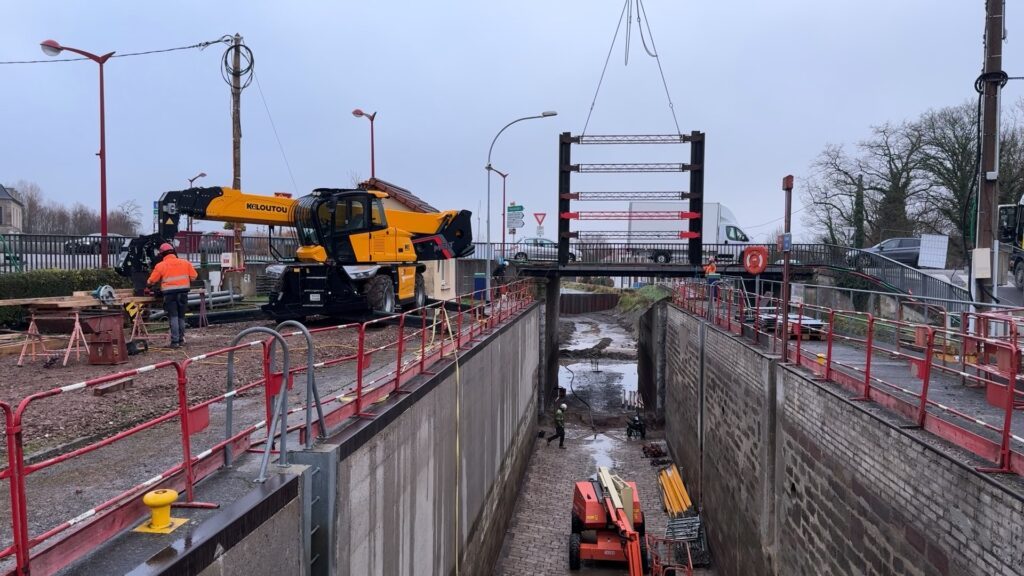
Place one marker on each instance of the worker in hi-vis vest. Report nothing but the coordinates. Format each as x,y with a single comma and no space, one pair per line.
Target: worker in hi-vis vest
173,276
710,268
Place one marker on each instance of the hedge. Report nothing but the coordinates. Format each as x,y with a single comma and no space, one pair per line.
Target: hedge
43,283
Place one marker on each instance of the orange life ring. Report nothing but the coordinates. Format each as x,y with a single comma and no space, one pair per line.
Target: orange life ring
755,259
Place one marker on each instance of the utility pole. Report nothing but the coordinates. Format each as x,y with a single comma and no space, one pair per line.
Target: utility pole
988,197
236,137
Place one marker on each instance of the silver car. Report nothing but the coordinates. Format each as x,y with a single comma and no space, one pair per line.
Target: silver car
538,249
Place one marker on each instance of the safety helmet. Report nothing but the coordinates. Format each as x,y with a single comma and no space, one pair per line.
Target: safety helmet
166,248
563,407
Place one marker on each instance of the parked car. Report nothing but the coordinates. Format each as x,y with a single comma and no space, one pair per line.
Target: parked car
91,244
538,249
904,250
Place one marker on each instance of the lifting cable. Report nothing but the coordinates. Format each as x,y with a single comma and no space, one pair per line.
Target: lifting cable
641,21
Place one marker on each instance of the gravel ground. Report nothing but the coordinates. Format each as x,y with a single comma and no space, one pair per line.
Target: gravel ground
61,423
72,417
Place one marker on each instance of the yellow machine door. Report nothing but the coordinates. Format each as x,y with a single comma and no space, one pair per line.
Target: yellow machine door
406,282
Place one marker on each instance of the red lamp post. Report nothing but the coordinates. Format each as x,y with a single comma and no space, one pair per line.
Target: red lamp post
53,48
371,116
504,205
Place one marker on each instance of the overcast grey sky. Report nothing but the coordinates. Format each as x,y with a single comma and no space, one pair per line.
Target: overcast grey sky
769,82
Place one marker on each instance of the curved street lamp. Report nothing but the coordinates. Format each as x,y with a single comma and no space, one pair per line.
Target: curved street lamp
190,185
489,169
54,48
358,113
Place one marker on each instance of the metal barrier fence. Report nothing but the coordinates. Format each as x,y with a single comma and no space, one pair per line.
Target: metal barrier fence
25,252
984,352
857,263
424,337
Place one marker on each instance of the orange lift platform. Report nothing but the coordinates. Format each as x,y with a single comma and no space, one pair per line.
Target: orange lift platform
607,523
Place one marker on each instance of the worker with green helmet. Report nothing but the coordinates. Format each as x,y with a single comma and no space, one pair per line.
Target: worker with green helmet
559,426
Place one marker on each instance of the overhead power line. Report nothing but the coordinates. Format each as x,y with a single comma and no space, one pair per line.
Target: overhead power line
199,46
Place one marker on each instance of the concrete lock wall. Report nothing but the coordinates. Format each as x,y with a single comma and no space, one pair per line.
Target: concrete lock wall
432,477
798,480
399,493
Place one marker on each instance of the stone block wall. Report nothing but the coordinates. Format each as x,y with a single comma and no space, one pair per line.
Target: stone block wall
796,479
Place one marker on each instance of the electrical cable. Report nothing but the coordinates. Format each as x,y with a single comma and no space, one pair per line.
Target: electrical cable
248,63
200,46
273,126
590,409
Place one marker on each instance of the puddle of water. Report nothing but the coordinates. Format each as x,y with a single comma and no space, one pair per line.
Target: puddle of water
587,334
603,389
600,448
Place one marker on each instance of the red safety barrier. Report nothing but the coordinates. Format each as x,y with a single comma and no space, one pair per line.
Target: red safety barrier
424,337
989,357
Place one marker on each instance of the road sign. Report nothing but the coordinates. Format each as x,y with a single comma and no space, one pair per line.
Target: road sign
540,231
515,208
540,217
516,223
516,217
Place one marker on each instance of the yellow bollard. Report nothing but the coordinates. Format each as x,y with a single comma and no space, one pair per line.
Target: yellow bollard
821,359
159,503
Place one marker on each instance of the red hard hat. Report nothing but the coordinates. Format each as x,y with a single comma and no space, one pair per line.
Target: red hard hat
166,247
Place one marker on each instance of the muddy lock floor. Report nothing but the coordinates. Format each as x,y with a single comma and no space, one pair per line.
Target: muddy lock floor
598,368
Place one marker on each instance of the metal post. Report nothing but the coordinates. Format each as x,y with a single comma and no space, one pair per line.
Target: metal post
828,350
104,249
787,186
373,158
926,376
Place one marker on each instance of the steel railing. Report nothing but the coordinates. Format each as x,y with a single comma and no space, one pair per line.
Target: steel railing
425,336
983,352
25,252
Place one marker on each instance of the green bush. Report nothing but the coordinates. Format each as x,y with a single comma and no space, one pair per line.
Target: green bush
643,298
44,283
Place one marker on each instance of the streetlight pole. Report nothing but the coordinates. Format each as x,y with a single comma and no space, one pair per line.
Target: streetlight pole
373,115
53,48
504,177
488,169
190,185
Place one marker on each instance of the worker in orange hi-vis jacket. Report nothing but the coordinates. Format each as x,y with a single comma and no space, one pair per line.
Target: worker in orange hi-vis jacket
174,277
710,268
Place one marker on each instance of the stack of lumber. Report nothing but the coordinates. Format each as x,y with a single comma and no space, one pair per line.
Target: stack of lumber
12,343
80,299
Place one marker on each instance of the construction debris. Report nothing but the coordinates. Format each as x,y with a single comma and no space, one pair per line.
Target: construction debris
653,450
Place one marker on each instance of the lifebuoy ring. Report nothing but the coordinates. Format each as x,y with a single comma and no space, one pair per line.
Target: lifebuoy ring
755,259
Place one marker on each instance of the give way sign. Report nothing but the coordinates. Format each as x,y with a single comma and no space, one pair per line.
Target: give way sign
540,217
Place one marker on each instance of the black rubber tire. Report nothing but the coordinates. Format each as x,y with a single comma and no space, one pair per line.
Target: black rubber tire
1018,275
574,551
380,294
577,524
521,256
662,258
421,292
